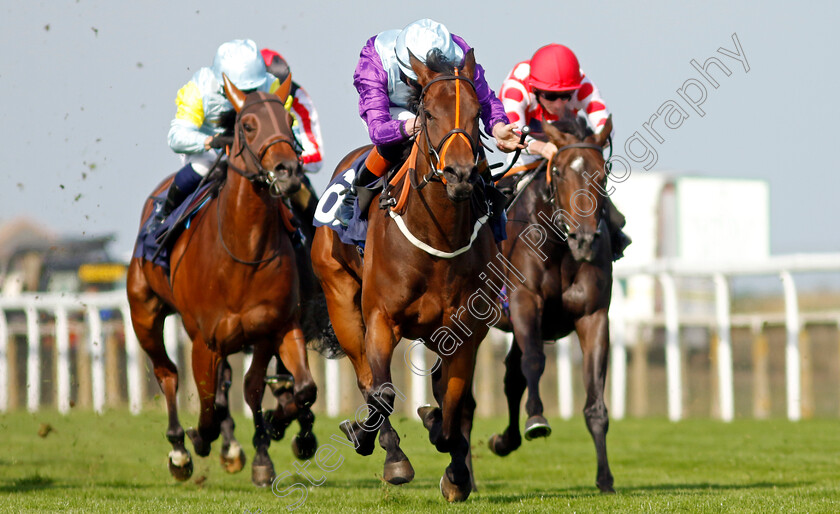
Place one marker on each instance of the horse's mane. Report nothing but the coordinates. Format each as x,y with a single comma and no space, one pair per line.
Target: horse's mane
227,120
438,63
576,126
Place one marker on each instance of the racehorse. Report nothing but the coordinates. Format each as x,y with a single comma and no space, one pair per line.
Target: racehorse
418,290
234,281
557,240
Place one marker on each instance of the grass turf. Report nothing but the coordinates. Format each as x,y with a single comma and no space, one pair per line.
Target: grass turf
117,463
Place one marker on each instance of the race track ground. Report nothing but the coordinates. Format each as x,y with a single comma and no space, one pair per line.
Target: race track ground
117,463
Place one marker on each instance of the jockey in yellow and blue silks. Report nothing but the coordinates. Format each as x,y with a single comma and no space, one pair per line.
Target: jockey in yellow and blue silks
201,104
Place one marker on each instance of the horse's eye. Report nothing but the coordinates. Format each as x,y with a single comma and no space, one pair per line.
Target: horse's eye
428,115
248,127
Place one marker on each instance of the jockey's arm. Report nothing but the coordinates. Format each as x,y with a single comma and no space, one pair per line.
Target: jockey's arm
588,99
307,130
371,82
184,134
515,99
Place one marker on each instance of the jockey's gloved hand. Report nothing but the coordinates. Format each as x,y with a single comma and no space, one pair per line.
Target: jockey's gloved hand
221,141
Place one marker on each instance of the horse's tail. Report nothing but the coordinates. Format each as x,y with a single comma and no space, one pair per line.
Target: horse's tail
317,328
314,318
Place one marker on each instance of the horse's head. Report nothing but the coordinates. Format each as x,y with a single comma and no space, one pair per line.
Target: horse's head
577,181
449,112
264,140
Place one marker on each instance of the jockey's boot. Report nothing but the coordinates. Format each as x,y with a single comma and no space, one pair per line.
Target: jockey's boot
619,241
185,182
345,211
375,166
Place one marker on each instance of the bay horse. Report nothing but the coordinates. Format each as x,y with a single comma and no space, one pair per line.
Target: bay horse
557,240
418,290
234,281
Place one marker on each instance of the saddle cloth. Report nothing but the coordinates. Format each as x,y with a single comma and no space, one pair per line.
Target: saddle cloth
355,232
150,231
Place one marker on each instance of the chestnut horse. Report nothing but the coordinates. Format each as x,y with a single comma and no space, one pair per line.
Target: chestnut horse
557,240
234,281
418,290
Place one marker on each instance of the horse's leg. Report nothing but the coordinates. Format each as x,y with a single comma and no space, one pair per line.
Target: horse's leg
466,430
205,363
232,456
455,484
379,341
511,439
277,420
342,292
594,335
527,313
292,352
147,319
262,469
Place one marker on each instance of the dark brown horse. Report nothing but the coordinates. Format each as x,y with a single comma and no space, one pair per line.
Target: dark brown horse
558,241
234,281
418,290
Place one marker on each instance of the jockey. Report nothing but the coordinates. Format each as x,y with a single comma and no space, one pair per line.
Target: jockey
548,87
385,82
201,104
306,126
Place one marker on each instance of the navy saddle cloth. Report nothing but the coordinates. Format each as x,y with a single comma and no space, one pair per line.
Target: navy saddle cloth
150,232
355,232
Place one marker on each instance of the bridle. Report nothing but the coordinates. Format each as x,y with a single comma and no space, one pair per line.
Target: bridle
263,176
551,169
437,154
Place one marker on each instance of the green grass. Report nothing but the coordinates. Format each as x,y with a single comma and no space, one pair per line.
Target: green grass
117,463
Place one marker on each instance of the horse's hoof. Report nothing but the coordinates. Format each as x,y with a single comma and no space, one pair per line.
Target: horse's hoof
262,475
606,488
452,492
180,465
497,446
201,449
424,410
363,443
304,445
398,472
233,460
536,426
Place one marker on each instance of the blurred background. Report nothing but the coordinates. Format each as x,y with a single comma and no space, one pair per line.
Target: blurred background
727,304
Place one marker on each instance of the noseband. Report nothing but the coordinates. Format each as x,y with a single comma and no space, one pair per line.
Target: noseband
437,154
263,176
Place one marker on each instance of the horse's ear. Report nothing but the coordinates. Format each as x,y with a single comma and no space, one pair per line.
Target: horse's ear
233,94
556,136
469,64
602,137
285,88
424,74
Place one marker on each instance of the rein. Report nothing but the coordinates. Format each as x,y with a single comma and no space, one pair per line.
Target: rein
437,162
437,154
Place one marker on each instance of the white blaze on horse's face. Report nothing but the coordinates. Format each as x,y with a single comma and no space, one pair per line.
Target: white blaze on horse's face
577,165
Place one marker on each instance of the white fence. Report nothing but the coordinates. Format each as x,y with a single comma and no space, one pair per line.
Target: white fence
59,307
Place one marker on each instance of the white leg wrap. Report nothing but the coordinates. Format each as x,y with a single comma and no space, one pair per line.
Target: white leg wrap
233,451
179,458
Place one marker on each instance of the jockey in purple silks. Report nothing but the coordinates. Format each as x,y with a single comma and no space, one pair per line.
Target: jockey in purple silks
386,82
